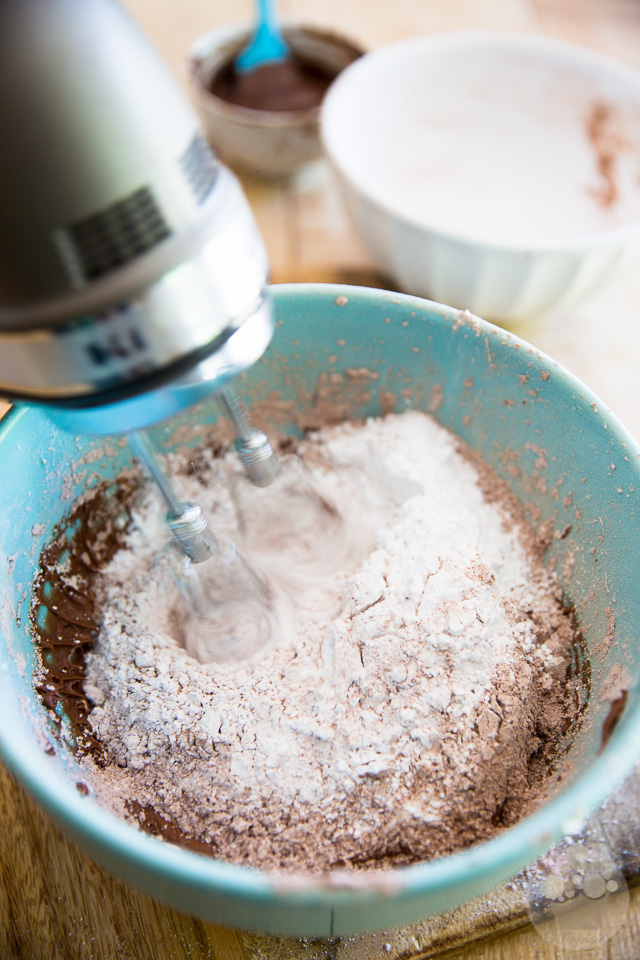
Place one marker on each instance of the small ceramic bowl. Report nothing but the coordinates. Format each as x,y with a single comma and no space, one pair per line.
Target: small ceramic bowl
491,171
263,142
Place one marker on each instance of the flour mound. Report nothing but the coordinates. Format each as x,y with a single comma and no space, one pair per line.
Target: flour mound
408,707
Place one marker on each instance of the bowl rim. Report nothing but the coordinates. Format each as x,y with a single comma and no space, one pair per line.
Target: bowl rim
458,41
564,812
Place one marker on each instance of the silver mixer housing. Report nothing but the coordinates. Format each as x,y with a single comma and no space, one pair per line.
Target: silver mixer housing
132,275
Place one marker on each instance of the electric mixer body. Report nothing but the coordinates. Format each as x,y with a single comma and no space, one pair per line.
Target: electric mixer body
132,275
133,280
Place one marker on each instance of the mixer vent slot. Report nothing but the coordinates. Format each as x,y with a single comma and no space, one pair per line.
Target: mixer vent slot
108,239
200,167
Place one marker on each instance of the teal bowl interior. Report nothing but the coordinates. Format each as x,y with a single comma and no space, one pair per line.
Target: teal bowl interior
355,352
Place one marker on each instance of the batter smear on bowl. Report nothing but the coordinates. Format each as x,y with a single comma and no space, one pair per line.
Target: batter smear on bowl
416,697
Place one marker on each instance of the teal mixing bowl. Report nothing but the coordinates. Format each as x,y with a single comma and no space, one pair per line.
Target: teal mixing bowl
561,452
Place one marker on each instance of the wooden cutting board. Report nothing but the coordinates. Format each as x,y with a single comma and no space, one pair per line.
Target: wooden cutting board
57,904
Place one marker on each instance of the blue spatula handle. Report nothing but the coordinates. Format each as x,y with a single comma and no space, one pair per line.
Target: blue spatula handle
268,44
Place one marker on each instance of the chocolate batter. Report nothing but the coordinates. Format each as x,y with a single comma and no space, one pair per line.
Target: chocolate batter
65,613
288,86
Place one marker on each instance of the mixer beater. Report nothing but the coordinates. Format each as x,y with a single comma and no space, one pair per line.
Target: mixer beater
227,590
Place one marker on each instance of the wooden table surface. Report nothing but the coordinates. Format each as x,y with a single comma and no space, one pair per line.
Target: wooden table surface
56,904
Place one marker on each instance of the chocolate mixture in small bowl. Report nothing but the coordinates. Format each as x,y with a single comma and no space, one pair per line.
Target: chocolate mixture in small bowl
288,85
265,122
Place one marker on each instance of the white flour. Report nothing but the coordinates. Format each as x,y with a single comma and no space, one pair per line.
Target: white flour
401,708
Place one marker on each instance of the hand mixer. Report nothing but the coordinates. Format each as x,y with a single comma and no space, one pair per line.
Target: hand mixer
133,281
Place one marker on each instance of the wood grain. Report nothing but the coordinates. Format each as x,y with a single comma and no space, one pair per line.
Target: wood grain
55,902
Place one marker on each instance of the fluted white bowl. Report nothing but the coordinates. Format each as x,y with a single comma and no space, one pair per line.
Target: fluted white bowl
492,171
